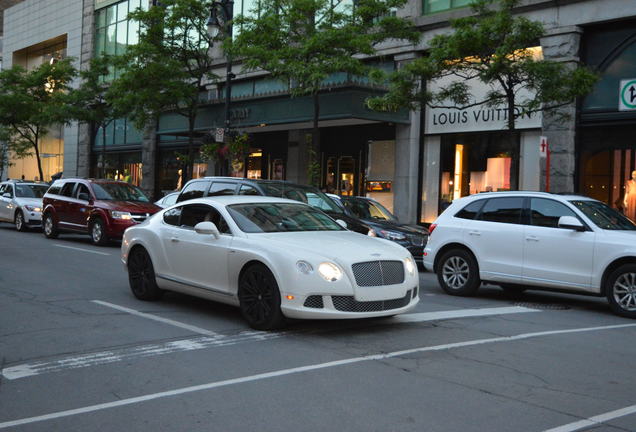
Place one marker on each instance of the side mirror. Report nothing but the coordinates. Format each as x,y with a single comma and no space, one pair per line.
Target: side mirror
570,222
207,228
341,223
6,195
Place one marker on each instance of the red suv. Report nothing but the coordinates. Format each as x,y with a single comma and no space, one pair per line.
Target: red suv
101,208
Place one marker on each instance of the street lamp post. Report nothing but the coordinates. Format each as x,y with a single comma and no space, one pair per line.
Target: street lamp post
226,9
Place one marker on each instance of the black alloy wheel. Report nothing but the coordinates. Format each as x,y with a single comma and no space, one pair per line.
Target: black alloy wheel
259,298
141,276
49,226
20,225
621,290
98,232
458,273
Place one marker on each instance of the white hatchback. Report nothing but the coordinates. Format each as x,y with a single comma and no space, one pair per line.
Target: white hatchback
272,257
21,203
523,240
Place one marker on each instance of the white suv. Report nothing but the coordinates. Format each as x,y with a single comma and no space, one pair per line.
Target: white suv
523,240
21,203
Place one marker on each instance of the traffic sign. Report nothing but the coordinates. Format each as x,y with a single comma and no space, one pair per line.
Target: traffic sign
543,147
627,95
219,134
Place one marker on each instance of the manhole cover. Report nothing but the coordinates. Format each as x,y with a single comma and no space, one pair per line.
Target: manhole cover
544,306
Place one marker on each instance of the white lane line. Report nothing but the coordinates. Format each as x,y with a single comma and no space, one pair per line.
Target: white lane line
595,421
461,313
189,327
81,249
296,370
130,353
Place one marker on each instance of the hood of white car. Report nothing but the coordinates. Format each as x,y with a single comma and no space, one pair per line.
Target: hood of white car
345,245
36,202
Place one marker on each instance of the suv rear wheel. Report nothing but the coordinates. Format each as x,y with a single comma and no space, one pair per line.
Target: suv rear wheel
98,232
457,273
49,226
621,290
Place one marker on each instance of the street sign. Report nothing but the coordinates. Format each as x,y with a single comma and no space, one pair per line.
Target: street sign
627,95
543,147
219,134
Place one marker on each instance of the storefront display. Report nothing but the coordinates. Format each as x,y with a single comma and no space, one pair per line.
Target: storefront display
123,166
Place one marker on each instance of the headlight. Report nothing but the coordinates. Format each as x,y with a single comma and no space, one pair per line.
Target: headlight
410,265
33,208
329,271
304,267
120,215
391,235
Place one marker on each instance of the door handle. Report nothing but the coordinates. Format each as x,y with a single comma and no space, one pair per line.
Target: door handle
532,238
474,233
174,239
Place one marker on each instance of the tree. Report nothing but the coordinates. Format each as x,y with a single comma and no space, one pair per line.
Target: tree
492,46
91,101
302,42
5,162
31,102
168,68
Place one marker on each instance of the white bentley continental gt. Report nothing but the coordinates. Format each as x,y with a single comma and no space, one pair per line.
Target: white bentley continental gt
272,257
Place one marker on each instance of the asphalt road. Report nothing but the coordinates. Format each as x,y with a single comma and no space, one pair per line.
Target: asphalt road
79,353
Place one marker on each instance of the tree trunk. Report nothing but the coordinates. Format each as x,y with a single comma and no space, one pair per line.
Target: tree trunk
36,145
189,163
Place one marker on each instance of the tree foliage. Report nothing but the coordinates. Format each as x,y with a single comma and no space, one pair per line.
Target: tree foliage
169,66
492,46
31,101
302,42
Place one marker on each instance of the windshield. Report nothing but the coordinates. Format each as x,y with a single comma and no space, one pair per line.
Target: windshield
604,216
365,209
30,190
118,192
275,217
307,195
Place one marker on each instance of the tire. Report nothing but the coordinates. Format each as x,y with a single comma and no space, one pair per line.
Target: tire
49,227
259,298
458,273
512,289
98,232
620,289
20,224
141,276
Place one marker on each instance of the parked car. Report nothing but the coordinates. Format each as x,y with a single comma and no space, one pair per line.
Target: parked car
21,203
218,186
101,208
534,240
382,223
168,200
263,255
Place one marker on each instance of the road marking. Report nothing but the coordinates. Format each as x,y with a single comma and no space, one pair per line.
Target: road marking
192,328
212,341
461,313
81,249
297,370
595,421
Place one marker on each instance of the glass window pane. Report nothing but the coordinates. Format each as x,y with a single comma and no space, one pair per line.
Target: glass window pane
436,5
460,3
133,4
122,11
471,210
100,40
110,15
100,20
222,189
121,37
546,212
120,132
503,210
133,32
133,135
111,42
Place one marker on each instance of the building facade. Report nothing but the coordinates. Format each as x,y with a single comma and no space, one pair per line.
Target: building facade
413,162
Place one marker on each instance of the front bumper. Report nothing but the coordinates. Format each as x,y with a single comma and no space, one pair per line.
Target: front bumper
32,218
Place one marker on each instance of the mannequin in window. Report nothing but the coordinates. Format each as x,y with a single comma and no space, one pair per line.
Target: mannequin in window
629,201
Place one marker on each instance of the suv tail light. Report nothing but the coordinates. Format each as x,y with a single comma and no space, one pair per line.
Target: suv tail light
431,229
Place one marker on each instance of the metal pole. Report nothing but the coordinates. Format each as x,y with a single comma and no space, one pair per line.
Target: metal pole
228,10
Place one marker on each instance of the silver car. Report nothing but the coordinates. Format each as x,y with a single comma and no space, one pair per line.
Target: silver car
21,203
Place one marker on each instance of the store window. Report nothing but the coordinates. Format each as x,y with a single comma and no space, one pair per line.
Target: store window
170,170
433,6
123,166
477,163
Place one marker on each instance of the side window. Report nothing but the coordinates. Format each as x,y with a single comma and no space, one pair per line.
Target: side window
171,217
82,192
193,190
471,210
503,210
55,188
546,212
9,190
248,190
222,189
195,213
170,199
67,189
2,189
